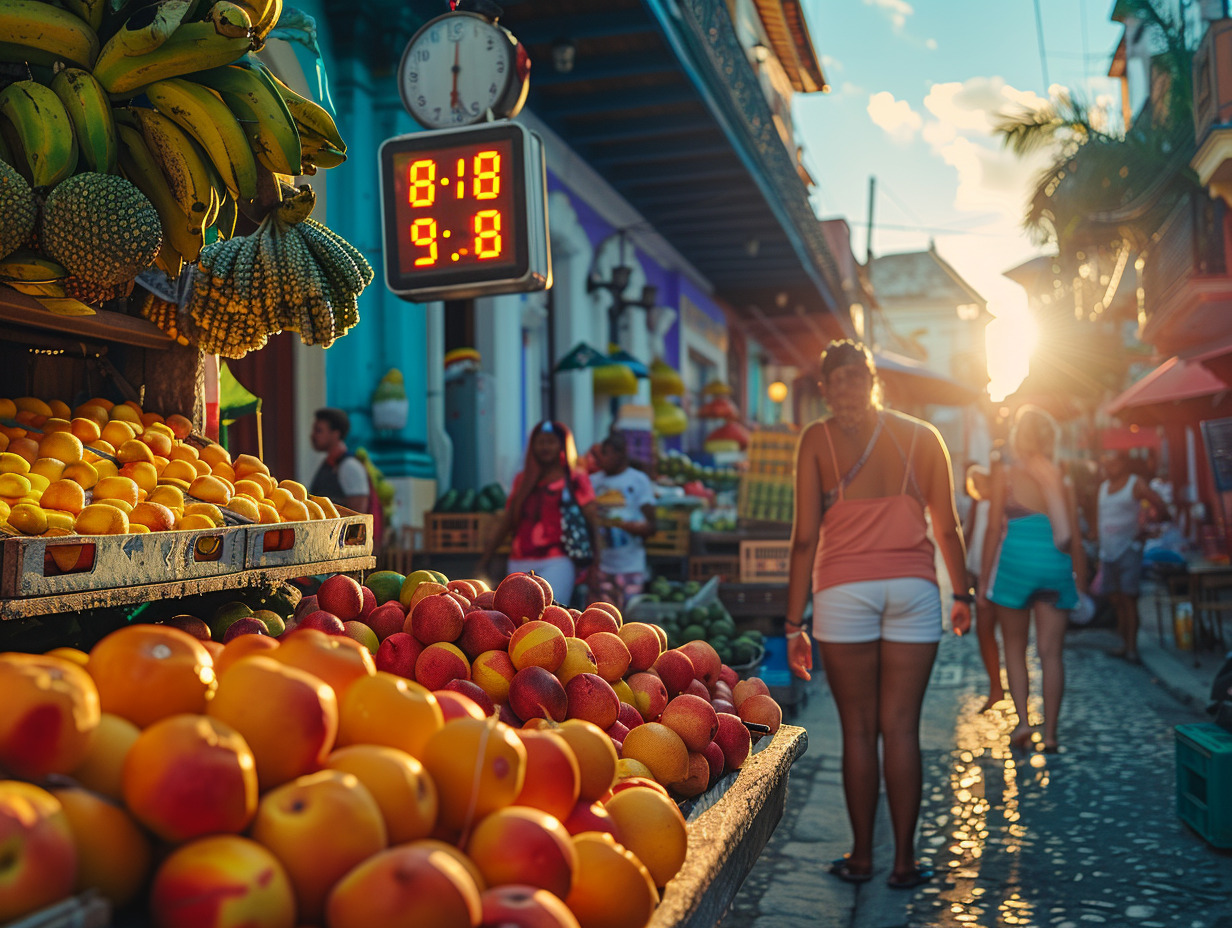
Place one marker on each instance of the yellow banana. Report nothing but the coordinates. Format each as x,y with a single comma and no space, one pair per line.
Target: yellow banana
191,47
312,118
183,164
92,11
88,108
256,10
143,32
41,33
231,19
31,267
44,131
263,26
142,170
203,115
252,98
320,154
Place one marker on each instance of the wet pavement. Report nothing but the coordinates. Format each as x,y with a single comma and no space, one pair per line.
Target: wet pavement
1085,837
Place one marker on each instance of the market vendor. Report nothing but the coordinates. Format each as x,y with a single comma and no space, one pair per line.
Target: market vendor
341,477
625,497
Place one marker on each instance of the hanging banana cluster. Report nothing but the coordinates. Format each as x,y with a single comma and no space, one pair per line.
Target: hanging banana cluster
168,96
292,274
163,314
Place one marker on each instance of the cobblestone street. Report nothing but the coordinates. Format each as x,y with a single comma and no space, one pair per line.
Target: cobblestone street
1088,836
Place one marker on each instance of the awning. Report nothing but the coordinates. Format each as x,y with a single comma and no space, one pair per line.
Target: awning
1177,388
1217,359
1126,438
909,381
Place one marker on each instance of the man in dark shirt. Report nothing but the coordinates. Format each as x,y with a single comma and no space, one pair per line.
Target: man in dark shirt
341,477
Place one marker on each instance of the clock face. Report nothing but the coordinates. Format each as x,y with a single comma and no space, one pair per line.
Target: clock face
457,68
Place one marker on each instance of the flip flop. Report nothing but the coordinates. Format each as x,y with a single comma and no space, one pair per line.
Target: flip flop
916,877
840,869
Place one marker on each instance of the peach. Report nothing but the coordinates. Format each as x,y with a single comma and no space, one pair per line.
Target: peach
484,600
244,626
245,646
617,731
649,695
387,619
595,756
609,608
559,616
222,880
455,705
189,775
611,655
51,711
693,719
370,602
611,887
661,632
643,644
342,596
728,675
723,705
319,826
698,689
553,778
181,426
520,597
548,595
746,688
288,717
474,692
645,779
101,519
463,587
675,670
537,644
698,777
653,828
593,699
763,710
478,766
102,770
493,671
706,663
435,618
623,692
523,846
714,758
421,590
386,709
590,816
156,517
439,663
336,659
397,654
578,659
595,620
660,749
628,716
485,630
535,693
525,907
113,853
322,621
397,782
360,632
65,495
40,862
734,740
408,886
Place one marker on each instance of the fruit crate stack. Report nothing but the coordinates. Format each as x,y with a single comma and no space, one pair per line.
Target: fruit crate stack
462,520
767,493
671,537
765,561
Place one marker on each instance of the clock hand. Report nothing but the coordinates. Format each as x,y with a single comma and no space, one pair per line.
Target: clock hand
455,99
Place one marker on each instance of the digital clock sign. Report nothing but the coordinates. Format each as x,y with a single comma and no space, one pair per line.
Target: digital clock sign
465,213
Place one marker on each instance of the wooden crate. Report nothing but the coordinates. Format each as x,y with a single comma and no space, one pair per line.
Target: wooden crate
766,498
765,561
283,544
457,532
671,537
772,453
726,567
34,567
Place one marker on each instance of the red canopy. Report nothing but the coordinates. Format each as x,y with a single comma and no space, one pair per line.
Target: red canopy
1175,381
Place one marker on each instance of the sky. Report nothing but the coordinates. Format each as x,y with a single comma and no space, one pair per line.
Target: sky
916,86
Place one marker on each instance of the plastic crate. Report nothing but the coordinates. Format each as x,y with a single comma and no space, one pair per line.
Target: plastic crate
1204,781
766,498
764,561
457,532
283,544
772,453
724,566
786,688
671,537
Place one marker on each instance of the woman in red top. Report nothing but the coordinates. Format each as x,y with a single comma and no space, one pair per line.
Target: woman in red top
533,513
865,481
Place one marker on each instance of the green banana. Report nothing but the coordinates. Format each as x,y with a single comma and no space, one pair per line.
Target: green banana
91,11
191,47
203,115
321,154
231,19
311,118
142,169
143,32
254,100
42,128
40,33
31,267
88,108
183,165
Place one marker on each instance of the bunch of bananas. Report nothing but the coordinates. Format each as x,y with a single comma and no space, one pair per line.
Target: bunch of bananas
292,274
170,94
163,314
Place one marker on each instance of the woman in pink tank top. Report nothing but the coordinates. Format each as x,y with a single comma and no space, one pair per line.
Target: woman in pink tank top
867,481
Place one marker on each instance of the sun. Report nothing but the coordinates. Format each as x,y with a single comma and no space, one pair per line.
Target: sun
1009,341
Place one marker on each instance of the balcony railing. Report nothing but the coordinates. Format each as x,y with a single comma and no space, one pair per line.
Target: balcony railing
1188,247
1212,79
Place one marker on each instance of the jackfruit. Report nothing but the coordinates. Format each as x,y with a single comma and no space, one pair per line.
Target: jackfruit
18,210
101,228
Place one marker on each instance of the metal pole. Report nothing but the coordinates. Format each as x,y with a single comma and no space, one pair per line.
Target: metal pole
868,260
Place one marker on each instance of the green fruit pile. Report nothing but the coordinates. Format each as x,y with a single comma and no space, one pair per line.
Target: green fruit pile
710,622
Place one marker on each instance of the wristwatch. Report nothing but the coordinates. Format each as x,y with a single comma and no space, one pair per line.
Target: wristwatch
967,597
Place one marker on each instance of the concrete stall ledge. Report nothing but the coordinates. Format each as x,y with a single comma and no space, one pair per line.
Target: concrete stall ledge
727,836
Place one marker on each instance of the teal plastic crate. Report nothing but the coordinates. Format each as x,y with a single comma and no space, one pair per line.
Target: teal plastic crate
1204,781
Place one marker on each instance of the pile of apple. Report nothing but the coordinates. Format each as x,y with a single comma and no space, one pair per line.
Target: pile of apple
274,782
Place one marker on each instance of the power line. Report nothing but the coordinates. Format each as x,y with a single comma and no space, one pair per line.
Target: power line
1039,32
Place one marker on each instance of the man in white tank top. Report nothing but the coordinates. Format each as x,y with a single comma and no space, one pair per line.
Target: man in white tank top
1121,497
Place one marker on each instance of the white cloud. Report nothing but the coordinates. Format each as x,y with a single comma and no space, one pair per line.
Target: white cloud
895,117
830,63
930,44
896,10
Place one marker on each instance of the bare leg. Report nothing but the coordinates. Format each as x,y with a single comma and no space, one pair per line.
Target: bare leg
1050,625
1015,628
904,675
852,673
986,630
1131,627
1121,605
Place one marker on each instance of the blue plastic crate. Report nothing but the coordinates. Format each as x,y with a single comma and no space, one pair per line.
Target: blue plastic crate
786,688
1204,781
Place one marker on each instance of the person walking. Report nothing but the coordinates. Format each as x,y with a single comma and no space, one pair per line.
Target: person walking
979,487
1119,508
865,480
550,480
625,497
1028,565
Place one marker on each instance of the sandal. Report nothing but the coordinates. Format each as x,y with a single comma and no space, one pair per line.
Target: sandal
917,877
843,871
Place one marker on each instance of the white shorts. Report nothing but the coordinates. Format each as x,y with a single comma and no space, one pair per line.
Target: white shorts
904,609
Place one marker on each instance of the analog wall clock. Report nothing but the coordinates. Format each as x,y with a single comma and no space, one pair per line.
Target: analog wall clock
460,69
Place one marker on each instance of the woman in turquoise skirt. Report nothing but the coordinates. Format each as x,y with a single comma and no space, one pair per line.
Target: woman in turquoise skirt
1028,567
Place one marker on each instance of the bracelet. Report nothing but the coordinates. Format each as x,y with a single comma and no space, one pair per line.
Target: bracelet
967,597
793,635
